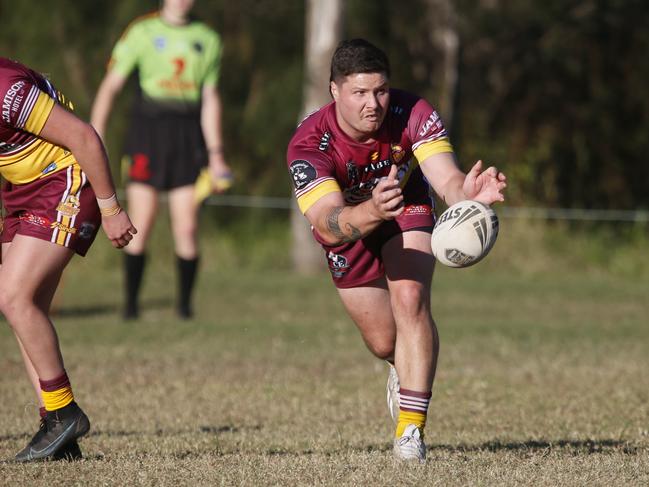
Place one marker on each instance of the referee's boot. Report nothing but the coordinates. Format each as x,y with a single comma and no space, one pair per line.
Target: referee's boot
57,435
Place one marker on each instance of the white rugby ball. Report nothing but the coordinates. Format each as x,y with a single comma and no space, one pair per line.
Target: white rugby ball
464,234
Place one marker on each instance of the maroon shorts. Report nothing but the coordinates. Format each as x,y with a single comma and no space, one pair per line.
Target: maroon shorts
60,208
356,263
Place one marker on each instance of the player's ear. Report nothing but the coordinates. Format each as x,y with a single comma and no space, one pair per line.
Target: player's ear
333,89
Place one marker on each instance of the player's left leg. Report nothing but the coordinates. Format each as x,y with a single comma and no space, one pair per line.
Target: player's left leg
30,272
184,226
409,268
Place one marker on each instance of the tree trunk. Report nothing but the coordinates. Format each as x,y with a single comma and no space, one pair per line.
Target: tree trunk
324,20
443,35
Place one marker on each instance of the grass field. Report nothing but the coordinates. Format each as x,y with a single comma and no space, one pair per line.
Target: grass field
543,377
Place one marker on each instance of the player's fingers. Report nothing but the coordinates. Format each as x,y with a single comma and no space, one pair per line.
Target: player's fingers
393,171
388,196
394,203
477,167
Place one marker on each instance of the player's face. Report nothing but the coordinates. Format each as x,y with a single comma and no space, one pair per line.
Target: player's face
179,8
362,101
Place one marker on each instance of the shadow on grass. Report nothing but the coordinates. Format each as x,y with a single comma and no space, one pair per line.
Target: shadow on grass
81,311
573,446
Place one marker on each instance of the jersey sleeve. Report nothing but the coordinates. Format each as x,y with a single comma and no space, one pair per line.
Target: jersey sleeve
212,60
24,106
125,55
313,175
427,132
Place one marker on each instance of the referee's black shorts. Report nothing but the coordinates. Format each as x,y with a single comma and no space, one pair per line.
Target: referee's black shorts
166,150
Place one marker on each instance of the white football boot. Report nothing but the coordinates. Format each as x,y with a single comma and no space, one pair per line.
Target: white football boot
410,447
392,389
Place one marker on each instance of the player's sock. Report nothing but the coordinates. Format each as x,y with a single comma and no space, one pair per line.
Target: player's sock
186,277
134,269
57,392
413,408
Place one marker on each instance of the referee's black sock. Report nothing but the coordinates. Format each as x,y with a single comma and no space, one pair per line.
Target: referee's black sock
134,268
186,277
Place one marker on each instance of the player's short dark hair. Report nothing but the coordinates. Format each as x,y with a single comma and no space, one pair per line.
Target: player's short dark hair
358,56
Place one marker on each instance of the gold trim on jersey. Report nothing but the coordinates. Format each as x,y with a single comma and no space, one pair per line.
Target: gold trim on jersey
37,160
64,225
39,114
307,200
431,148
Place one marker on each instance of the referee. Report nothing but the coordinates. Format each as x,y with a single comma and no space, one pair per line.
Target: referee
175,132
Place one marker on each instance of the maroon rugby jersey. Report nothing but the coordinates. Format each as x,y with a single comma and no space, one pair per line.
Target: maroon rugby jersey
26,101
323,159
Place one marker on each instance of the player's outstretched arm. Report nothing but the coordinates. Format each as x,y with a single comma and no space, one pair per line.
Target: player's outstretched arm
484,186
338,223
67,130
452,185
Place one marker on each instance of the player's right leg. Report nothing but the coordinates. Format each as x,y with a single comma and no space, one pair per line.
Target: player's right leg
142,210
30,268
369,307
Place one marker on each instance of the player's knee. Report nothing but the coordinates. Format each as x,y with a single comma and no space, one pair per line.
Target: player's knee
409,299
383,349
11,301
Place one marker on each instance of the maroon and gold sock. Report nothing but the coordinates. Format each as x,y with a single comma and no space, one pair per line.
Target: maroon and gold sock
413,408
57,392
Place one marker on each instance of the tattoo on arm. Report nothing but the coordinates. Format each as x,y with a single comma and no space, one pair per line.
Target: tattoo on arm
334,226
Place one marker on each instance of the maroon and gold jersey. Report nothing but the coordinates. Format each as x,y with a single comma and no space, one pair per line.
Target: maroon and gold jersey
27,100
323,159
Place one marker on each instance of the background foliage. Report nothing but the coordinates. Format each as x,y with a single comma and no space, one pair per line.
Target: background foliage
553,92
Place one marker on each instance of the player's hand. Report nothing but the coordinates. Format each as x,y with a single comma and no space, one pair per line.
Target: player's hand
484,186
119,229
387,197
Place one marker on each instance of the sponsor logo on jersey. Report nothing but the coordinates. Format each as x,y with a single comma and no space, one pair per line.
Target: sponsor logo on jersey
160,43
338,265
69,207
324,141
49,168
11,101
40,221
302,172
377,166
63,228
433,121
418,210
198,47
352,172
397,153
360,192
86,230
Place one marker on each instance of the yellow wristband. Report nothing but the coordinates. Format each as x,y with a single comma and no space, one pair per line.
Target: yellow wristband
110,211
109,206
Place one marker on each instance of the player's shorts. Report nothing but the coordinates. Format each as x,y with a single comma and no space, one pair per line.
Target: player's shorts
356,263
60,208
165,150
